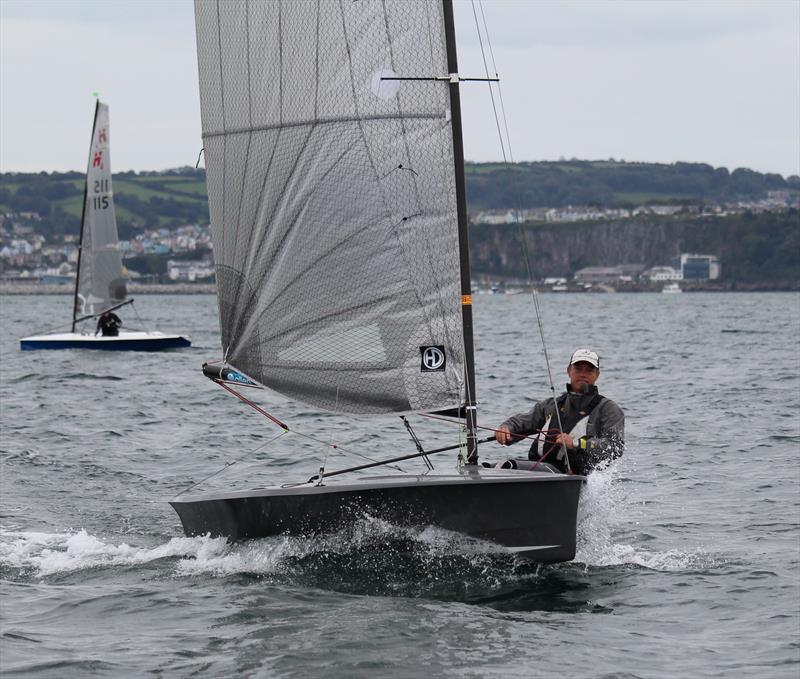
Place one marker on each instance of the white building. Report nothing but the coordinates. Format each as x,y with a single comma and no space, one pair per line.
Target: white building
663,273
598,274
178,270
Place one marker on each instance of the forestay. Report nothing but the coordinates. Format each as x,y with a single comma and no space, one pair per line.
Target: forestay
332,199
101,281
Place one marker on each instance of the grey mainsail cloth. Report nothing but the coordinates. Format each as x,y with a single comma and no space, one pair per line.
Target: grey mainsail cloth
101,280
332,199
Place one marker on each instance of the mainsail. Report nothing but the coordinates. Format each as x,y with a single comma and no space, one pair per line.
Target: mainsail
101,281
333,199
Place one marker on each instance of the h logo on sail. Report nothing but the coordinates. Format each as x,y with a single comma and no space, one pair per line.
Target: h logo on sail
433,359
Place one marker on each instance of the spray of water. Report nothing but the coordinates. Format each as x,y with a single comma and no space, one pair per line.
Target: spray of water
607,510
601,501
42,554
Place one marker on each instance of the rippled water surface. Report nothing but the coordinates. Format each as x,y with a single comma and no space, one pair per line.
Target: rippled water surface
689,548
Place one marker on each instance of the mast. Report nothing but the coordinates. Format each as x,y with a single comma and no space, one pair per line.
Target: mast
83,219
463,236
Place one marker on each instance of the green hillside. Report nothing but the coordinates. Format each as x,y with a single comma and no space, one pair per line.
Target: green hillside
613,184
147,199
152,199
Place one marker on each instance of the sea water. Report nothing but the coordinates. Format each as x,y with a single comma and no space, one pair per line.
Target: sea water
688,560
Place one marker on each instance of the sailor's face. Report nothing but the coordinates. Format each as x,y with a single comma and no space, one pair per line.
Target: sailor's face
582,373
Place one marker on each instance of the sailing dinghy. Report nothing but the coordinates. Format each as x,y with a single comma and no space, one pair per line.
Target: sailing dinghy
332,136
100,283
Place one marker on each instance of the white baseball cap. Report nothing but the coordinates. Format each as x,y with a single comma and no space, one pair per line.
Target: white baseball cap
585,355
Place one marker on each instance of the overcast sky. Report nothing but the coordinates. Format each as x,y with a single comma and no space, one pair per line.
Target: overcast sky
715,82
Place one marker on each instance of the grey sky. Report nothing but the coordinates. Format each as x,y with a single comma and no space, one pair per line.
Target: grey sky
715,82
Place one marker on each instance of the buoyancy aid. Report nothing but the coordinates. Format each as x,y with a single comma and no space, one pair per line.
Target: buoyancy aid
575,423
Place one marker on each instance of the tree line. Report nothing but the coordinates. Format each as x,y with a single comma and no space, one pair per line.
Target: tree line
179,195
751,247
613,184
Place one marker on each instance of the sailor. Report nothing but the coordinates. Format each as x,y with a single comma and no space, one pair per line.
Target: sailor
592,426
109,323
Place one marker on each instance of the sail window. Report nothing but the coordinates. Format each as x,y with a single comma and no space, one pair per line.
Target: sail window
352,345
385,89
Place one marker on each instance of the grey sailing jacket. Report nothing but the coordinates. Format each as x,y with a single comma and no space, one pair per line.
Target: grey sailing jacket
603,438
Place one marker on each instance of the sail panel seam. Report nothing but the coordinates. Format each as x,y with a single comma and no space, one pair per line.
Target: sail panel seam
320,121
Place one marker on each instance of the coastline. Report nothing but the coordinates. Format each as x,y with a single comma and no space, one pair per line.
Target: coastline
148,289
211,288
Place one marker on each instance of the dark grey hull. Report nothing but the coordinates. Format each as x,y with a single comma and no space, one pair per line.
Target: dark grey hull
531,514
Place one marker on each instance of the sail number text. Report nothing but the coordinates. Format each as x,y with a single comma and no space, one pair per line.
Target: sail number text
100,202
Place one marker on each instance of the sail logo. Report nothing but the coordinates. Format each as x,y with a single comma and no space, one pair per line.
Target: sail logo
433,359
98,160
232,376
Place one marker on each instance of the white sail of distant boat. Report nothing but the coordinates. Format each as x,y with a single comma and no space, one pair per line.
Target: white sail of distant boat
332,137
100,282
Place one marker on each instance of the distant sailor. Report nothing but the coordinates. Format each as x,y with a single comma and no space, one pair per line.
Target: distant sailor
592,426
109,324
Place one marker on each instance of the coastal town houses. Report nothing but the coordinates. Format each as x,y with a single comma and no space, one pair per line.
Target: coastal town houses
189,271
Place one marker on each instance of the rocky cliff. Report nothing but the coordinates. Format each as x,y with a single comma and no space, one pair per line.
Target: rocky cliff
763,247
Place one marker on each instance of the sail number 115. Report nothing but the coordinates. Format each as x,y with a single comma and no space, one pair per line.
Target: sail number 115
100,202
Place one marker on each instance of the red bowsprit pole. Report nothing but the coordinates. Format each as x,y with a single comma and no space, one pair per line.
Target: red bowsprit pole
255,407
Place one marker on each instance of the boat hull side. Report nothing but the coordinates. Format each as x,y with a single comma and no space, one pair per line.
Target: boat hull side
121,344
536,520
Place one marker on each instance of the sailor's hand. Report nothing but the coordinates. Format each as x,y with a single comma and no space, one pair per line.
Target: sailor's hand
503,436
566,439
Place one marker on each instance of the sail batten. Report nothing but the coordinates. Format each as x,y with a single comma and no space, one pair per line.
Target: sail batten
101,281
315,122
333,200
